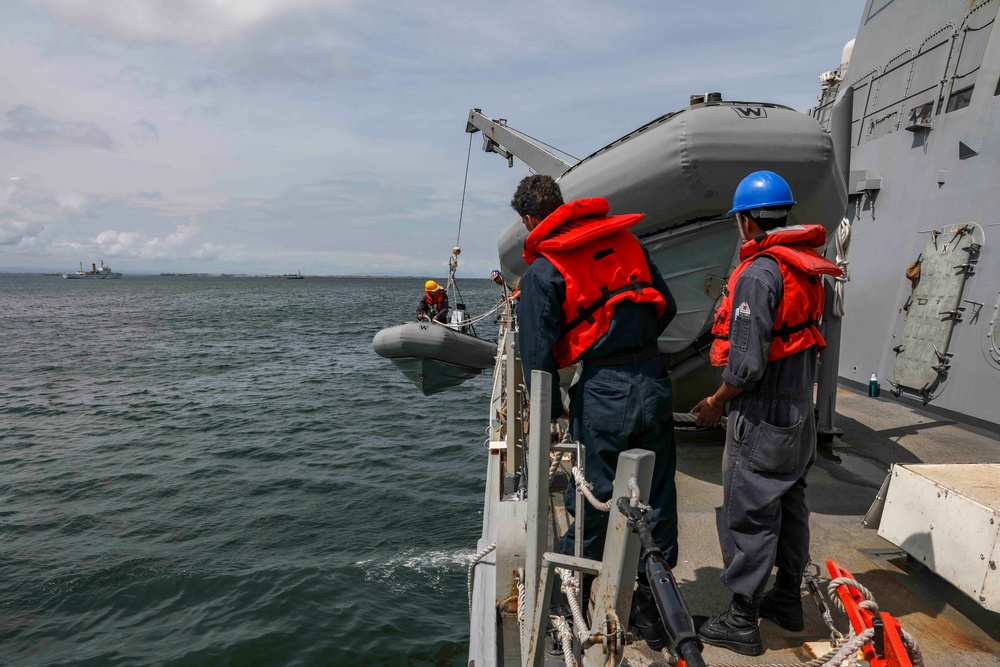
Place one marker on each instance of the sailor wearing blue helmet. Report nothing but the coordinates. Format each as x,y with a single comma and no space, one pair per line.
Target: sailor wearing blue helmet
766,338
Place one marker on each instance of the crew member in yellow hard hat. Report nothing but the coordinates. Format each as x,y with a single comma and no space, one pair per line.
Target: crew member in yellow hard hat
434,304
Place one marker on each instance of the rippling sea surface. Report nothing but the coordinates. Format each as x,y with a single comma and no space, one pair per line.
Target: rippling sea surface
220,471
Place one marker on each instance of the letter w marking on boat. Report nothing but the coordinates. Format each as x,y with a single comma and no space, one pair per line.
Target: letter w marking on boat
750,112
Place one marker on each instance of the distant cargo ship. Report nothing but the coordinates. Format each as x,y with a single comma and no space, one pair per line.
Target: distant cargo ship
101,272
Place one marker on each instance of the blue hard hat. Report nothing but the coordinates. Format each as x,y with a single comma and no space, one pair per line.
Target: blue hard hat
761,189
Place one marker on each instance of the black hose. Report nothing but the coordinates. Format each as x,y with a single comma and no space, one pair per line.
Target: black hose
690,652
674,616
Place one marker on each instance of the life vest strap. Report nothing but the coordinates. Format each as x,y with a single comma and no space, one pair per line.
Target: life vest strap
785,331
621,359
587,314
782,332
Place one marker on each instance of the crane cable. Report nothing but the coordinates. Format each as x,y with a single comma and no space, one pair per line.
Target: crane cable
465,185
452,285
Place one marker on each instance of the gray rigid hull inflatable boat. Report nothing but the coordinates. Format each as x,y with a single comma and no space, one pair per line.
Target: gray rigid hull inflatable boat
681,170
434,356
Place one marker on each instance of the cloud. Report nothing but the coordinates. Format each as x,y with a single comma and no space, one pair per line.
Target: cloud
26,199
17,232
24,211
192,21
145,133
30,127
137,245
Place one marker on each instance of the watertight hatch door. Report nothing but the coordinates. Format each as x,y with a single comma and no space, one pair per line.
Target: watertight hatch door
922,359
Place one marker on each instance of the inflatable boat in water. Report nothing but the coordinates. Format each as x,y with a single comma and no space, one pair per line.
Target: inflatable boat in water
434,356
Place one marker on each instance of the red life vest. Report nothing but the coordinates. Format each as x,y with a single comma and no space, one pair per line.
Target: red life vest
797,316
602,264
434,301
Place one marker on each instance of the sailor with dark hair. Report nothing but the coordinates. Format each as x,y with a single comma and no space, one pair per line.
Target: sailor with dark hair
591,295
766,342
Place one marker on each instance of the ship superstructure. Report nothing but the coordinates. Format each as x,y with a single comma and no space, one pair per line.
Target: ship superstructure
100,273
923,303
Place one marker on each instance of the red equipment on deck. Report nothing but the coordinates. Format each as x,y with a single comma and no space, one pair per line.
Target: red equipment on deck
888,651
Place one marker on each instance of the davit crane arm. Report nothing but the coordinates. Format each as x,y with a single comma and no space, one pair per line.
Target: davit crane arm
509,143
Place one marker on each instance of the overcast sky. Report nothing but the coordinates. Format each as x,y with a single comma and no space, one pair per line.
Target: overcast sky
267,136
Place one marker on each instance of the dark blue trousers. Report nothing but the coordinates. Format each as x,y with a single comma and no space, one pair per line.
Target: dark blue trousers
617,408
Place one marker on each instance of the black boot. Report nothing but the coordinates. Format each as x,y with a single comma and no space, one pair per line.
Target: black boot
645,616
783,605
735,628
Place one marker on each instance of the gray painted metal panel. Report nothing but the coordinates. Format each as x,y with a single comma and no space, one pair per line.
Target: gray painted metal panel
926,182
948,518
933,309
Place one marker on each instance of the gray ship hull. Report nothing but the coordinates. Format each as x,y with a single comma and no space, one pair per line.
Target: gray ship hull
925,163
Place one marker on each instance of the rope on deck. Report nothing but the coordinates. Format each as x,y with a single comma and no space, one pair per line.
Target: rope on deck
833,658
909,641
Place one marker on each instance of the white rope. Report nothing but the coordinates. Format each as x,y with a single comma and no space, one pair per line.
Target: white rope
850,648
912,650
569,588
565,638
479,318
833,658
586,488
556,462
868,602
520,609
909,641
842,241
470,322
472,569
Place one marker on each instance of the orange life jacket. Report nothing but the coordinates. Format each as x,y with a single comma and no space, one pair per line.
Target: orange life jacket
797,316
602,264
434,301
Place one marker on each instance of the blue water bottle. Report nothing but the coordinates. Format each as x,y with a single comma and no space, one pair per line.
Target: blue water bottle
873,388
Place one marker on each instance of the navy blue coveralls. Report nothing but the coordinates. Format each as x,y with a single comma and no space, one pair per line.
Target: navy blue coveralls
424,308
625,404
770,444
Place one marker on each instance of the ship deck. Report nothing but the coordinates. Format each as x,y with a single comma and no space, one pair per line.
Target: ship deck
950,628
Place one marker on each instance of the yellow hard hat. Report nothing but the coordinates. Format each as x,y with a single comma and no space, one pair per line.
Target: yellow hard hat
431,286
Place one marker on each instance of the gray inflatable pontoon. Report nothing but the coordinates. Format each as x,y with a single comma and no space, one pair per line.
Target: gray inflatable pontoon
434,356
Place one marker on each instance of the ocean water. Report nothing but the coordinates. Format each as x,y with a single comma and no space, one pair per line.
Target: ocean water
220,471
